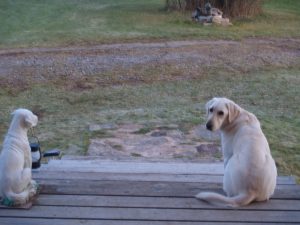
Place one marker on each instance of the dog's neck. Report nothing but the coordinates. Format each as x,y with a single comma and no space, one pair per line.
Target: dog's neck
240,120
16,129
244,118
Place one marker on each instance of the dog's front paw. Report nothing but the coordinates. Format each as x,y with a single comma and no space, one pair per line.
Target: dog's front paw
32,192
34,188
33,183
7,202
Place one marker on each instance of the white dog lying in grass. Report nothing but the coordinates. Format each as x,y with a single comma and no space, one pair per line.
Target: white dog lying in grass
16,185
250,171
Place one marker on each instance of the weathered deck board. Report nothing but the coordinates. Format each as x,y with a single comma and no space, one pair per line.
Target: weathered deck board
142,177
38,221
156,202
144,197
147,188
153,214
109,166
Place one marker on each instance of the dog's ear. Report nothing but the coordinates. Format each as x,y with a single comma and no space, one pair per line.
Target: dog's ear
209,104
13,113
233,111
31,120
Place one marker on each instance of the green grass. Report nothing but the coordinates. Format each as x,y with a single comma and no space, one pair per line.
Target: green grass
65,115
60,23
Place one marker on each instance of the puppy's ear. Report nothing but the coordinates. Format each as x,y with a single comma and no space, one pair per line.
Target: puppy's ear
31,120
13,113
233,111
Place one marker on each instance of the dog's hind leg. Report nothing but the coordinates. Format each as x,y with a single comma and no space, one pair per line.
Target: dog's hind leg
14,199
21,181
18,190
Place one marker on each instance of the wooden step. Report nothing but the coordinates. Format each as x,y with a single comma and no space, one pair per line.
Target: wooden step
144,193
110,166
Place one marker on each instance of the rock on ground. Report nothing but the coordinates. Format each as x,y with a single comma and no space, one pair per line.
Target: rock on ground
160,143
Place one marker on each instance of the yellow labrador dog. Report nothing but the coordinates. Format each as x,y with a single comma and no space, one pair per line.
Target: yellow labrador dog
250,171
16,185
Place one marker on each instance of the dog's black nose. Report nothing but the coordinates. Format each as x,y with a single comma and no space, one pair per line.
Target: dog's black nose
209,126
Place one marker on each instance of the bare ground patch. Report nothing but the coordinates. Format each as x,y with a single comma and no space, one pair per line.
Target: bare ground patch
85,67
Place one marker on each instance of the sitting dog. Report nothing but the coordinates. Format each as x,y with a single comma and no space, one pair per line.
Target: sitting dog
250,171
16,185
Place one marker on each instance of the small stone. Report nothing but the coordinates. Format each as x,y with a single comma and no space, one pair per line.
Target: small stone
185,154
202,132
176,134
73,150
207,24
199,107
99,147
105,126
149,142
159,133
108,126
221,21
139,111
130,128
167,127
208,148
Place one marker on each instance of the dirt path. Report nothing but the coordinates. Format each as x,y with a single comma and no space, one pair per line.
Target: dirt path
110,64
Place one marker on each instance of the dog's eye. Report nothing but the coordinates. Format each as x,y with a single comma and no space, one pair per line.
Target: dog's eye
220,113
211,109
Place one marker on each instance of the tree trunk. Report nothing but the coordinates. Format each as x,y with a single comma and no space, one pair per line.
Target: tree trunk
230,8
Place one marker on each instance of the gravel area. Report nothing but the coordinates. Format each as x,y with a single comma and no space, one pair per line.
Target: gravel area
24,66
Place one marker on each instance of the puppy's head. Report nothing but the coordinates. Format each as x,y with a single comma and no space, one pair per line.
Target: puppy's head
25,117
220,112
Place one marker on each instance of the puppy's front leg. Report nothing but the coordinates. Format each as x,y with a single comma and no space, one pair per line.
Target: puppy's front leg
27,157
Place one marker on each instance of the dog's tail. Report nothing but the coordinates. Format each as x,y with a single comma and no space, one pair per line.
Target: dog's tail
16,198
235,201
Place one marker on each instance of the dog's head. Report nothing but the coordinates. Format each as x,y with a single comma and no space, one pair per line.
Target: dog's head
220,112
25,118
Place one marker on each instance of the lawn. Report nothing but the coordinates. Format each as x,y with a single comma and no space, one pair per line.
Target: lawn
65,114
60,23
272,93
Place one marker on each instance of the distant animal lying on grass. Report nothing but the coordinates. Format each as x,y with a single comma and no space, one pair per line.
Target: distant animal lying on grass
16,184
250,171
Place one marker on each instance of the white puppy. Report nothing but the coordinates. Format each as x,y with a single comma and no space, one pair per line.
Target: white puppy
250,171
16,185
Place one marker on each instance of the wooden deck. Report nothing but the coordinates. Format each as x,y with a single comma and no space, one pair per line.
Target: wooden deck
114,193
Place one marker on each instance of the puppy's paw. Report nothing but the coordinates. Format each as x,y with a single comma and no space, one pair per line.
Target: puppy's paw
37,187
34,188
32,192
33,183
7,202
